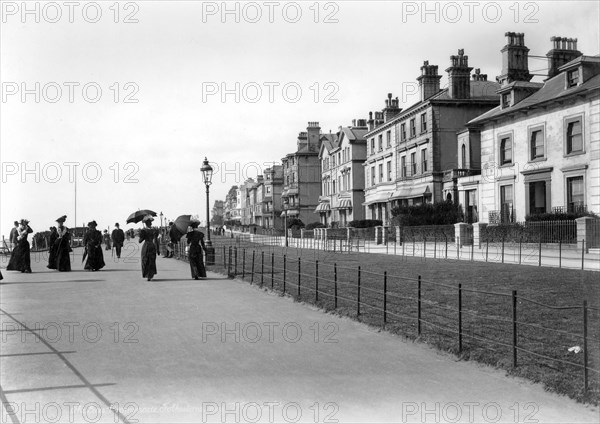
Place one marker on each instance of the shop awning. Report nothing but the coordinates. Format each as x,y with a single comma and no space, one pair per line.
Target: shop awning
323,207
382,197
345,204
291,212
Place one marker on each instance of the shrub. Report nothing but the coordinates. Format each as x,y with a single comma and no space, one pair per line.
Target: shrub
441,213
314,225
295,223
558,216
365,223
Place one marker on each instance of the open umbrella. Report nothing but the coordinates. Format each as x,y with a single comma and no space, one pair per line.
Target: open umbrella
182,223
139,215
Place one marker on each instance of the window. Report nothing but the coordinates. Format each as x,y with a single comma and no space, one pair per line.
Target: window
506,203
380,172
575,194
268,189
423,122
413,130
333,186
536,144
573,78
574,136
403,166
340,183
372,175
505,150
372,146
340,158
389,170
463,157
413,163
380,139
388,137
403,131
333,161
424,160
505,100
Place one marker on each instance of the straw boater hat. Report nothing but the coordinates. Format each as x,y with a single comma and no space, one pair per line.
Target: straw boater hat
148,218
62,219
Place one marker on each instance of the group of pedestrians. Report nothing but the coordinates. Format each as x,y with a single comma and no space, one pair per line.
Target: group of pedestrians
60,247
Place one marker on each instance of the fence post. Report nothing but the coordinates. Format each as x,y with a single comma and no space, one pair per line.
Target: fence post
446,240
235,252
243,263
299,276
585,348
487,248
358,295
335,287
560,253
472,249
262,268
229,262
224,257
540,251
272,267
424,248
419,307
520,243
514,327
384,297
502,248
252,277
316,281
460,345
435,247
284,271
582,253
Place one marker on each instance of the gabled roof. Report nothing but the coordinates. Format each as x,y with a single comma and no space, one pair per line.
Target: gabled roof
552,91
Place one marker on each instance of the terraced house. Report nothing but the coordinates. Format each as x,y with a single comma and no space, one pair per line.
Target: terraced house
271,201
540,148
413,156
342,173
302,176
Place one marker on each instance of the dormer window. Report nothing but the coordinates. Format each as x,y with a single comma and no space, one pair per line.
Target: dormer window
505,100
573,78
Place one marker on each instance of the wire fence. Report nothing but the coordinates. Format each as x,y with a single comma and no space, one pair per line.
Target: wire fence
513,330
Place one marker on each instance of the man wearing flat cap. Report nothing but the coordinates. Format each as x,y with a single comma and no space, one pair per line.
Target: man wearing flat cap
118,238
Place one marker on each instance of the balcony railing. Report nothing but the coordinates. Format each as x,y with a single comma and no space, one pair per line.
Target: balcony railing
503,216
452,174
575,207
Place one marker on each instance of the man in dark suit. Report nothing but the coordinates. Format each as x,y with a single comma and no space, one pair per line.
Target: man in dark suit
118,237
14,233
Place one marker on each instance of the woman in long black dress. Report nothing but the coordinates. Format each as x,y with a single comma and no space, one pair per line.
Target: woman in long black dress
63,246
149,236
20,259
52,249
195,239
93,248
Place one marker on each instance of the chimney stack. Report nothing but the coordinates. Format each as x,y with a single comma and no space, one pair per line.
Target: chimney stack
563,50
391,108
478,76
459,74
313,132
514,59
370,121
429,80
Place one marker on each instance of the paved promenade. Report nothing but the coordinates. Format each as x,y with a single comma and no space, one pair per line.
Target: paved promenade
110,346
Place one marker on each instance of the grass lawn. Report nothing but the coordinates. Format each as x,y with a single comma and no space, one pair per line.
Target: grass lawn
544,334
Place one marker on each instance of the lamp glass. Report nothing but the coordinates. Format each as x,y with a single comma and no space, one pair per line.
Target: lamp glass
207,172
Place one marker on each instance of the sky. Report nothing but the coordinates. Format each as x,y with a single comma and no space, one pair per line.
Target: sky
109,107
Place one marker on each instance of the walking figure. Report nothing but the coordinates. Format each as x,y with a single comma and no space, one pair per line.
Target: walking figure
62,246
149,236
118,237
195,239
93,248
20,259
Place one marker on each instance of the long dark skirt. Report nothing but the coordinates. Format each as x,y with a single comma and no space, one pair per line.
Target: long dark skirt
63,259
20,259
149,259
196,261
52,257
95,259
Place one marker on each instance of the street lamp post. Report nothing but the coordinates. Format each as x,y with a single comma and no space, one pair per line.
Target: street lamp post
286,202
207,172
161,220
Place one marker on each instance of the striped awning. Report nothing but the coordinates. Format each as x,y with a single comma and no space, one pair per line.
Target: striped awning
323,207
290,212
345,204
